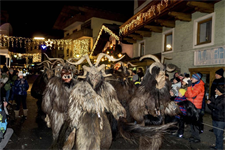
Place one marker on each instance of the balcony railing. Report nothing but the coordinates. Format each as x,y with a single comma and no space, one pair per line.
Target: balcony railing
80,33
153,10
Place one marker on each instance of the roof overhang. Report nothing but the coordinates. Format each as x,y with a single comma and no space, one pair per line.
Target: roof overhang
158,14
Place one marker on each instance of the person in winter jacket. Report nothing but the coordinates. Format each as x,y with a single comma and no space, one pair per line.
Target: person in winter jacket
3,79
5,133
218,81
217,106
195,93
179,118
176,85
20,91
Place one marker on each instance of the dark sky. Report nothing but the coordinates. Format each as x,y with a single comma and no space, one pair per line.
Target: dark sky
30,18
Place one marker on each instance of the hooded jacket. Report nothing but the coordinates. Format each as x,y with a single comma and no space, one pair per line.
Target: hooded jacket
20,87
196,93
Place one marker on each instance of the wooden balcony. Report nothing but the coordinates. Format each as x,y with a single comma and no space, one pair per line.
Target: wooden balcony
81,33
158,14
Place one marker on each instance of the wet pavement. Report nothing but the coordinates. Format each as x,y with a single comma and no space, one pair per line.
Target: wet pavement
28,135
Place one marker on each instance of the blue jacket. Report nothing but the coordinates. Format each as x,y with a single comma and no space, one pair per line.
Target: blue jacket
19,87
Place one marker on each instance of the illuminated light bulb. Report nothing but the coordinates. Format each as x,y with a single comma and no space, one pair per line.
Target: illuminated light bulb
39,38
119,55
77,55
107,52
102,59
15,56
168,46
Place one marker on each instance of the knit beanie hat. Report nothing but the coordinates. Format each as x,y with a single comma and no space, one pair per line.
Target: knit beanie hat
20,73
182,91
197,76
221,88
220,71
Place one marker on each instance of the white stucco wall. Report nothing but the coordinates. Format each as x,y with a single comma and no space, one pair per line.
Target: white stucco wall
183,53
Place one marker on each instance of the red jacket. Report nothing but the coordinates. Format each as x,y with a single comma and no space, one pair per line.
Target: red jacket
195,94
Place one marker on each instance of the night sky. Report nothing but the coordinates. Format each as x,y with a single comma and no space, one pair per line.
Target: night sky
31,18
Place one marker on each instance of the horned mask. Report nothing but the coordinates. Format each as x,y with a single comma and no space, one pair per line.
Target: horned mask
95,72
63,70
160,77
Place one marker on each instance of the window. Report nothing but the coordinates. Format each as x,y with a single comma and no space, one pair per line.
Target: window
168,41
204,31
142,49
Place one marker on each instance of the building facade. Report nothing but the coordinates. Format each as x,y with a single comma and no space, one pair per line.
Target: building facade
191,33
83,25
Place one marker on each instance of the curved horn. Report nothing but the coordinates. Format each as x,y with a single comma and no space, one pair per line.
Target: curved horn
86,69
132,65
158,64
104,74
81,60
101,67
46,61
60,59
99,58
109,57
150,56
170,69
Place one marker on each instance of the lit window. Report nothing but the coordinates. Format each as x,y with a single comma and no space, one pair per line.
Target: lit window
168,41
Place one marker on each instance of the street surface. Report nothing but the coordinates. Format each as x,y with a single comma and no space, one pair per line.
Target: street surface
27,134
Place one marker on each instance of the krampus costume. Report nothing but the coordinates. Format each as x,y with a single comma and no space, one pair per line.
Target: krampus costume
150,99
125,89
56,99
88,102
38,88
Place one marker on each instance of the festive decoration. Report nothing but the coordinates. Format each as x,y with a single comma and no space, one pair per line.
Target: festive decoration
36,56
143,17
49,43
81,47
100,33
77,47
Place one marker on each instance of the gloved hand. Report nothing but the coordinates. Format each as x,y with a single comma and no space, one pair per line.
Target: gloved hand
189,83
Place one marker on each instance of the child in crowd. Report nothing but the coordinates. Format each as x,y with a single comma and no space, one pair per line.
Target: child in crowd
179,118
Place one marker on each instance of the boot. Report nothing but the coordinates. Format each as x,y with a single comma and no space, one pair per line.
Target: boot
25,113
16,114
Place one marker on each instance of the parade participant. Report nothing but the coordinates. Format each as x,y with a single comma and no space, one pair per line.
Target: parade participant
3,79
20,92
56,99
217,105
195,93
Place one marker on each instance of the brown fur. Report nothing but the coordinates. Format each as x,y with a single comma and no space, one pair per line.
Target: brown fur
87,113
55,103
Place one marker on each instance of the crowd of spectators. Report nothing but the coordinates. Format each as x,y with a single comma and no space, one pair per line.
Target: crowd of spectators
192,89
